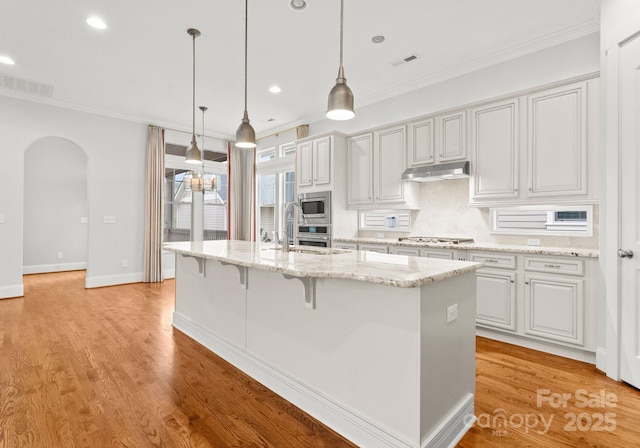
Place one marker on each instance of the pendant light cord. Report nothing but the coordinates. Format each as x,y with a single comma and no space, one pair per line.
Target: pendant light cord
341,26
246,25
194,86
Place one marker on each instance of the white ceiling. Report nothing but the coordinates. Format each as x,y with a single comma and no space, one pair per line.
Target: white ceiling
140,67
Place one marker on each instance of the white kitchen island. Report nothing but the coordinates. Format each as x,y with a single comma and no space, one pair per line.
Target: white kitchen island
359,340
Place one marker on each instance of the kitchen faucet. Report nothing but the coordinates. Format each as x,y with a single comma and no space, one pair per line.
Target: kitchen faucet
285,239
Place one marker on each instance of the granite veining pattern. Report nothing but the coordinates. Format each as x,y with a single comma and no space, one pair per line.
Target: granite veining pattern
490,247
384,269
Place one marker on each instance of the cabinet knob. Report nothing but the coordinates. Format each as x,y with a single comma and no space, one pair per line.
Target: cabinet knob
515,190
530,189
526,283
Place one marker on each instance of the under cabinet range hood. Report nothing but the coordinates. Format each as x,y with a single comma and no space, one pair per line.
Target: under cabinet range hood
429,173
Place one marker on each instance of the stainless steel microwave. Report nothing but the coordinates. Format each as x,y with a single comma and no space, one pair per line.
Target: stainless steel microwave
315,207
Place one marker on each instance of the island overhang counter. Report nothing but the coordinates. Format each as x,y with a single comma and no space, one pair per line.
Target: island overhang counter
379,347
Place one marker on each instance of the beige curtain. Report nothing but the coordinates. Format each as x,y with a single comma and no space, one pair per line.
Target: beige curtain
242,181
153,210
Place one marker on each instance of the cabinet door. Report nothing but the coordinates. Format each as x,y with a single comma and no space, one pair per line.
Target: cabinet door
554,308
379,248
496,299
322,161
437,253
304,162
494,142
557,141
360,170
400,250
453,137
389,151
421,143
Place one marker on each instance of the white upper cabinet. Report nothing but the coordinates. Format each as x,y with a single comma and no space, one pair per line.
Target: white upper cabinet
537,148
436,140
360,170
557,141
376,161
452,137
422,140
314,161
495,145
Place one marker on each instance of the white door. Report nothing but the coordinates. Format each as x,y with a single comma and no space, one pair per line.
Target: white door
630,208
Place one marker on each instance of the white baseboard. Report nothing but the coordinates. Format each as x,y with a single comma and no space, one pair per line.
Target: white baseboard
111,280
11,291
601,359
454,426
339,418
567,352
58,267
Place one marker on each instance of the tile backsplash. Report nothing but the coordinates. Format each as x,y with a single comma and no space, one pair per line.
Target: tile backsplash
444,211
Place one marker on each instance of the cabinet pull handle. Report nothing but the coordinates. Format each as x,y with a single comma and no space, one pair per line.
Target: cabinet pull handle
491,260
554,266
512,281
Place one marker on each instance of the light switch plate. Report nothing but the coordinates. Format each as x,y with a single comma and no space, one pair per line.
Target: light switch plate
84,220
533,242
108,219
452,312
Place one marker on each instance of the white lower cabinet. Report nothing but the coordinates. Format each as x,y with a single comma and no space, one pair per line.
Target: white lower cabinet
437,253
350,246
400,250
496,298
380,248
544,302
554,308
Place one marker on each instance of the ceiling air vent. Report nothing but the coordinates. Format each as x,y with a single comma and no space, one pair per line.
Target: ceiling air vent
409,58
25,86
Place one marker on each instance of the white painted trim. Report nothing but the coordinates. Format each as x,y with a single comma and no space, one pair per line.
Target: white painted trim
454,426
169,273
527,342
112,280
9,292
342,420
601,359
58,267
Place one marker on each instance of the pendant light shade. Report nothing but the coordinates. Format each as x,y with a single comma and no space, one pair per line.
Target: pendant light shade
340,104
245,135
194,155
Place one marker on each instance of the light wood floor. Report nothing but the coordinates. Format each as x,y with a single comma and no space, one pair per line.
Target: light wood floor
104,368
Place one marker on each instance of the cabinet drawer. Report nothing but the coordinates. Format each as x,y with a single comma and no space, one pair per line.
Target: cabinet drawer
374,248
554,265
437,253
411,251
491,260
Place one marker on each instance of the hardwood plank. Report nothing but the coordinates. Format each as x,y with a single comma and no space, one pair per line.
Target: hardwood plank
105,368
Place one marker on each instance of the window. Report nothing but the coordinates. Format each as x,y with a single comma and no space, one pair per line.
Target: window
540,220
276,187
178,200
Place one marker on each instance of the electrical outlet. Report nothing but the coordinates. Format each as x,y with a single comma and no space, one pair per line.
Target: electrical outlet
84,220
533,242
380,235
125,264
1,218
59,255
452,312
108,219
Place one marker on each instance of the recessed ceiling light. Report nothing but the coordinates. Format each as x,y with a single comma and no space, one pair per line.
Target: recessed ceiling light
377,39
7,60
298,5
97,23
275,89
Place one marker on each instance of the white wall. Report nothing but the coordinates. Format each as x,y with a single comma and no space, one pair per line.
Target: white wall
574,58
115,183
55,200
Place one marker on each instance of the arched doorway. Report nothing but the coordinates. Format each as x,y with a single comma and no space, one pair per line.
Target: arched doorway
56,235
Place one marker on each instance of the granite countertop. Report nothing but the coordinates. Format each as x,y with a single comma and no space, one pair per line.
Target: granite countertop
492,247
384,269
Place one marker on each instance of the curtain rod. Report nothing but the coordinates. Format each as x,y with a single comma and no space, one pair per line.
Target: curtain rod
189,132
279,132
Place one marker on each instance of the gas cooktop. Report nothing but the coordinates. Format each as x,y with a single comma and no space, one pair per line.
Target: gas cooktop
435,239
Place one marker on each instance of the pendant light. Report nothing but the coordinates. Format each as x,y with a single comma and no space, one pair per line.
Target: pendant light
340,105
245,135
193,152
